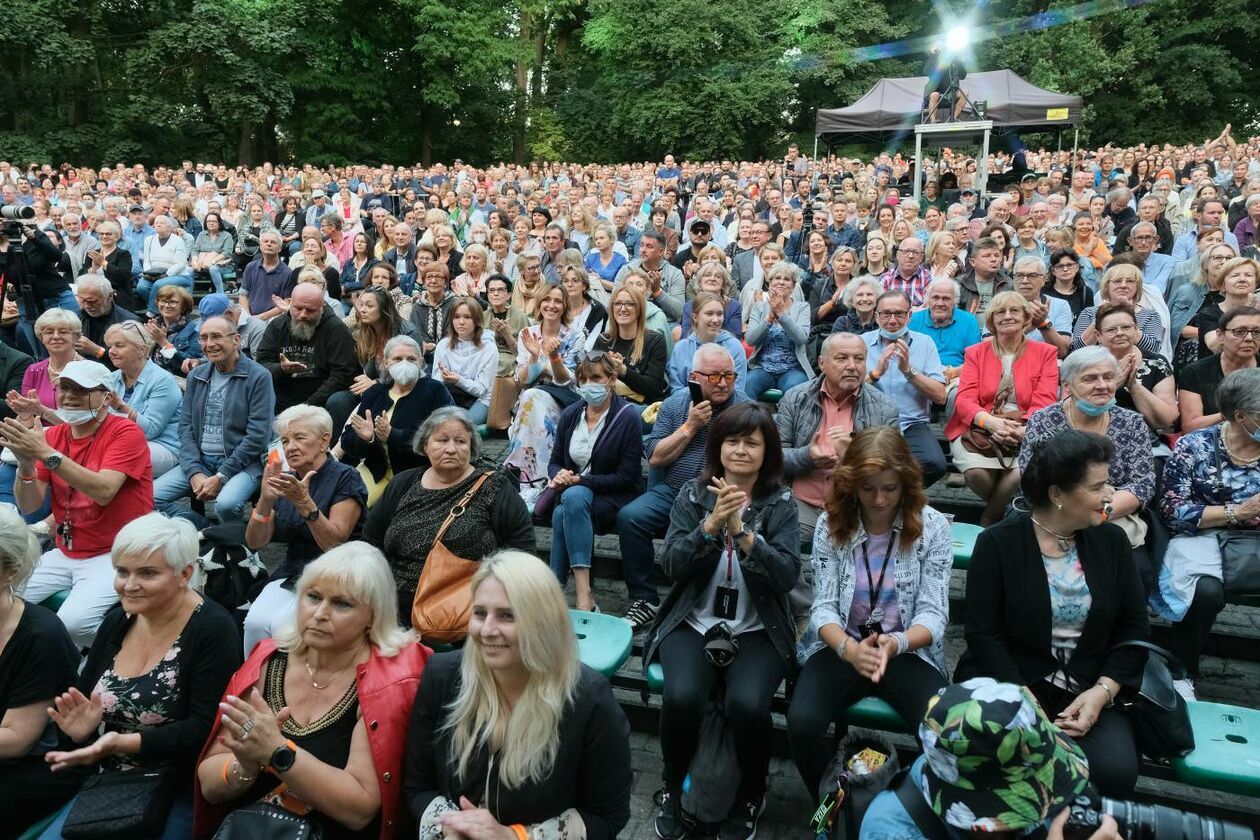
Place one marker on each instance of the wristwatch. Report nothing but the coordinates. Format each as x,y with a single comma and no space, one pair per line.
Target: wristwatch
912,374
282,759
312,516
53,461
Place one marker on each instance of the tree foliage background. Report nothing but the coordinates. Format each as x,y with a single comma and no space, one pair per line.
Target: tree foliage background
417,80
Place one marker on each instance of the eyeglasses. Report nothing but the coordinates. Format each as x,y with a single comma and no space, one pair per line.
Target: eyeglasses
1118,329
717,378
1027,275
1064,266
1141,239
624,304
893,313
1244,332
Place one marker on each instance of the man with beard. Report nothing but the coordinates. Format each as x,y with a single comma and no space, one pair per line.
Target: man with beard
309,352
224,426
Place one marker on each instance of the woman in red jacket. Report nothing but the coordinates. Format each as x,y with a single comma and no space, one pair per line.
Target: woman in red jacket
1004,379
315,721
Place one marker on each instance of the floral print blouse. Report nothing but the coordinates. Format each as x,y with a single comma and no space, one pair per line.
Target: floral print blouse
1200,473
133,704
1132,467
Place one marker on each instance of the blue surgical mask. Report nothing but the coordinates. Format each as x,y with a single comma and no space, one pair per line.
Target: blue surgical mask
893,336
593,393
1090,410
1255,433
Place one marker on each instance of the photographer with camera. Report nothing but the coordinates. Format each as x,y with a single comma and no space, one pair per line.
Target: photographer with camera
28,263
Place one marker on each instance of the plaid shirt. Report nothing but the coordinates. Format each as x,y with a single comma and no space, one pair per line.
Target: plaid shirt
915,287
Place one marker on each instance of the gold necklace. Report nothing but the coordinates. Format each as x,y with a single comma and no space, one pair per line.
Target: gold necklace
1065,541
311,671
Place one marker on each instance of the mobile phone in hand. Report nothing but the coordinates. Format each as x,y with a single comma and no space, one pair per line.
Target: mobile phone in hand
697,395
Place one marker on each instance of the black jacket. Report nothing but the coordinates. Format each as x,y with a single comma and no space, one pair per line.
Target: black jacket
329,356
395,453
615,473
591,773
43,266
13,365
1008,609
210,652
118,272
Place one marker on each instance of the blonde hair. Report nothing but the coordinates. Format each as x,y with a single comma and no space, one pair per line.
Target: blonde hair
1120,270
527,737
361,570
614,329
1001,301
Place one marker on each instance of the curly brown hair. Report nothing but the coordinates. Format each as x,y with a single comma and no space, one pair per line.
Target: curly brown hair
870,452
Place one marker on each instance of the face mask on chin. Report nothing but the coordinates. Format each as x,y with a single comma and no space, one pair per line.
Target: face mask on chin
1090,410
893,336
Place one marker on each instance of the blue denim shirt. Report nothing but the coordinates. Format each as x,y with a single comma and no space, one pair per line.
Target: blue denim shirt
913,404
156,399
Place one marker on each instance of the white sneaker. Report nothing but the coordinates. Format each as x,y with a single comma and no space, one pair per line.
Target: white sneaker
1185,688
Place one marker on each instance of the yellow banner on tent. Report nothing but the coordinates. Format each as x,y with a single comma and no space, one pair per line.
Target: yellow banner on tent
1056,113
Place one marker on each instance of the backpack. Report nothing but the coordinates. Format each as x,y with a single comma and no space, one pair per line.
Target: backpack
228,572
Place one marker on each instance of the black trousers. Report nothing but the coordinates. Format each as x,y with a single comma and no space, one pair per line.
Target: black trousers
750,682
30,791
828,685
1109,746
927,451
1187,638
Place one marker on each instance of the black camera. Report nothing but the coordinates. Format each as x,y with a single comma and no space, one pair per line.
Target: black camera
11,218
1147,822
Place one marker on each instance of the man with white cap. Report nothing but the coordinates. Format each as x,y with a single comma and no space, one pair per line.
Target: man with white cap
97,466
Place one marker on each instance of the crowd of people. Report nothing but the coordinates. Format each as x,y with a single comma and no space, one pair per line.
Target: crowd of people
312,357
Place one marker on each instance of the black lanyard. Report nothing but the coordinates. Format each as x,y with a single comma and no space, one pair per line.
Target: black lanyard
875,591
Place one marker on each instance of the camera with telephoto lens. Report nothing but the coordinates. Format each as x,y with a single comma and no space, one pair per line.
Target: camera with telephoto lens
1147,822
12,217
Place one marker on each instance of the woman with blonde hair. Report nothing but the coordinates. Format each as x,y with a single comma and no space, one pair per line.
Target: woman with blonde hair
638,354
513,735
312,726
942,255
1123,281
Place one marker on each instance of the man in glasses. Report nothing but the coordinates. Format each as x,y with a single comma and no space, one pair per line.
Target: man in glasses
1149,209
909,275
676,448
98,312
905,365
1157,268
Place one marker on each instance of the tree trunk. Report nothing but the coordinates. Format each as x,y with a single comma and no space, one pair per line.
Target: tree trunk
426,137
245,144
521,103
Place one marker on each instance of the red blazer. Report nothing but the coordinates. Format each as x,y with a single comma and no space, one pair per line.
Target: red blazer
387,689
1036,382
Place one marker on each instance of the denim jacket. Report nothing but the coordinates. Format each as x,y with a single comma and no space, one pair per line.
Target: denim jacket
922,580
249,406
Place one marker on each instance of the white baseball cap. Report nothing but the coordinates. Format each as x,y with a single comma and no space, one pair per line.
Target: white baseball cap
85,374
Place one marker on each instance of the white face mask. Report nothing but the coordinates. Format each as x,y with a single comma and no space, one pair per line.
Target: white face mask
77,416
404,373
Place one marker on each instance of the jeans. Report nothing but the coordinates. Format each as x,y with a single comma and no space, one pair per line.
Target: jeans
828,685
147,289
927,451
750,682
216,277
179,823
572,535
8,474
26,324
478,412
637,524
759,381
228,507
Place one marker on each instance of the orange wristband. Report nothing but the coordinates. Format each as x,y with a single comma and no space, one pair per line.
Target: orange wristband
979,421
521,833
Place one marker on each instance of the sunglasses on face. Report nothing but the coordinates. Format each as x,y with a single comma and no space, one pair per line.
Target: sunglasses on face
717,378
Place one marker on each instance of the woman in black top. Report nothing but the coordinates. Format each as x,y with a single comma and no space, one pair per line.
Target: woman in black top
471,770
289,222
114,262
37,662
405,522
1050,595
637,353
733,553
1068,285
150,688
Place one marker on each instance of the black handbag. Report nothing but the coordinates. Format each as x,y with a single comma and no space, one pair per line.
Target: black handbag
264,821
131,804
1157,713
1240,562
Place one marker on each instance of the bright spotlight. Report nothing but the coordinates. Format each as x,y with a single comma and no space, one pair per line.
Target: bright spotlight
957,39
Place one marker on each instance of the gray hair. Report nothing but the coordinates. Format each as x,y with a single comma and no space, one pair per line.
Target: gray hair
19,549
943,282
311,416
835,337
403,341
51,318
96,281
1239,391
1252,199
447,414
1150,225
846,297
133,333
404,226
1149,199
710,350
1030,261
1078,361
1118,192
175,537
275,234
783,269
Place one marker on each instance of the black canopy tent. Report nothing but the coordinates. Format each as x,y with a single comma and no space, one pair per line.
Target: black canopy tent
893,107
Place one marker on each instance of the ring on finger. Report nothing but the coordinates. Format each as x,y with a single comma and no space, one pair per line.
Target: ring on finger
247,727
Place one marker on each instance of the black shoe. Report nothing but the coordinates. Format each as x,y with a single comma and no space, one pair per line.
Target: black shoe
671,822
641,615
741,823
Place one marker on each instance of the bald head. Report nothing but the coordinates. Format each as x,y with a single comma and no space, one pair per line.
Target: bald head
307,303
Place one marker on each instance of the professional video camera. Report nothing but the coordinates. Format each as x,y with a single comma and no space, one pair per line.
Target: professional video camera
11,218
13,275
1147,822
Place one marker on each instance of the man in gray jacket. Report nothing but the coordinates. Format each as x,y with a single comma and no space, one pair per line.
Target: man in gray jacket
818,418
666,286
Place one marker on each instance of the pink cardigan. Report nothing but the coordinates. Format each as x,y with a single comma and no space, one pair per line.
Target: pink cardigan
1036,382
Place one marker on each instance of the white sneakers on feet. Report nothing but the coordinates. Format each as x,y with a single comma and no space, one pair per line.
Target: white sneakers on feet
1185,688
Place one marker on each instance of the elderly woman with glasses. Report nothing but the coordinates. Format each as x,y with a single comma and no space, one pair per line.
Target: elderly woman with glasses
173,332
778,328
1122,281
143,392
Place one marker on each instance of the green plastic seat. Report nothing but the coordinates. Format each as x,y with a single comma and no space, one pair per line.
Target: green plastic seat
483,431
873,713
1226,754
604,641
55,600
771,395
964,536
656,677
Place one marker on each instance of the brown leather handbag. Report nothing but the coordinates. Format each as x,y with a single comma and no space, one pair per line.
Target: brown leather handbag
443,602
980,442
